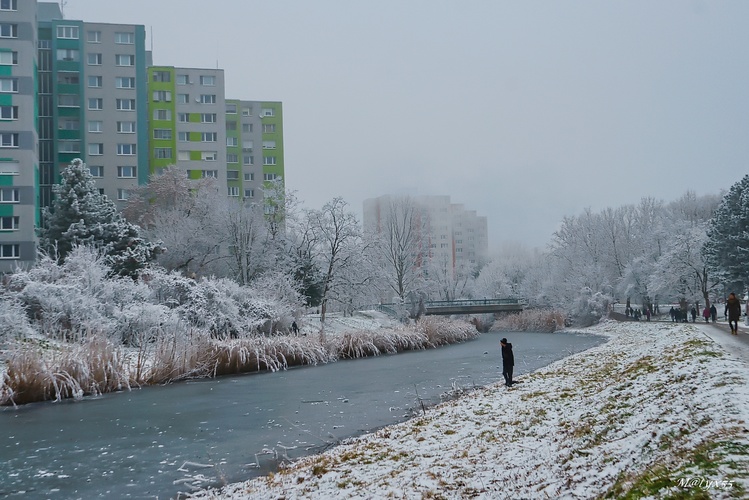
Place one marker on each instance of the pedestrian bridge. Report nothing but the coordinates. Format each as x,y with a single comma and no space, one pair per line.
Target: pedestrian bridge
450,307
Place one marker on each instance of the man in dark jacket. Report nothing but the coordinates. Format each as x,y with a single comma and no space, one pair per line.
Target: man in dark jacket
508,361
733,311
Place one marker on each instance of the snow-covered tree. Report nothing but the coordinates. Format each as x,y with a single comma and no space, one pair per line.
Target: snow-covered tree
81,215
728,243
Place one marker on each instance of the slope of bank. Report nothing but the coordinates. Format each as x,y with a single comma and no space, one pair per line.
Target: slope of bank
661,409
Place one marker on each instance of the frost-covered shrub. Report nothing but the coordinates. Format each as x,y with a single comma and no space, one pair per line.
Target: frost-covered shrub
13,320
532,320
589,307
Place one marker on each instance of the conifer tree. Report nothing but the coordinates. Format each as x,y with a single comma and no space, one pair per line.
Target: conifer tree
81,215
728,244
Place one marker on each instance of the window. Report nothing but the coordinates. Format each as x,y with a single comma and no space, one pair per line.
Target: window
68,146
269,160
126,127
208,98
231,109
183,136
183,117
8,84
8,140
183,155
247,146
126,104
269,128
122,194
95,81
183,98
249,193
232,175
162,153
125,149
96,149
67,32
9,30
209,80
162,114
232,158
233,191
208,136
231,125
247,127
247,111
209,173
270,177
9,223
248,160
96,170
10,251
183,80
94,59
93,37
162,96
268,112
125,38
232,142
249,176
126,172
8,112
125,60
269,144
125,82
95,103
209,156
68,100
208,117
162,76
8,58
101,191
68,123
10,195
68,77
8,4
162,133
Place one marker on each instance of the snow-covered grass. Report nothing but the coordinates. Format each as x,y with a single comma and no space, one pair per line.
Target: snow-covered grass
39,369
659,411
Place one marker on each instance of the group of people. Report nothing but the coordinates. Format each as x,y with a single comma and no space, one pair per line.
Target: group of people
710,314
637,313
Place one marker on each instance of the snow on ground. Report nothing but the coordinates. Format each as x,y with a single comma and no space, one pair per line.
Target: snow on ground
660,408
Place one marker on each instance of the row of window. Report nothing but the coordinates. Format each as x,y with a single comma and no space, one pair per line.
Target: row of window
166,76
94,126
97,149
12,251
94,103
123,172
231,109
94,36
93,59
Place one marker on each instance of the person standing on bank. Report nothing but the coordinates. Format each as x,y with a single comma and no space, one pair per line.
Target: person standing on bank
508,361
733,308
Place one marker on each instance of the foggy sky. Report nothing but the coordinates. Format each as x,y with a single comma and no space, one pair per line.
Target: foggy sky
524,111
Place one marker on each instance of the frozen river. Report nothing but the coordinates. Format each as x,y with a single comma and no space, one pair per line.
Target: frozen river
159,441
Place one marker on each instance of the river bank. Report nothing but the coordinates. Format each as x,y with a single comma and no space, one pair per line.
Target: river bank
659,410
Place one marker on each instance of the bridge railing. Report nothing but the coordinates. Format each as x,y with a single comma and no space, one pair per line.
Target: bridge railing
475,302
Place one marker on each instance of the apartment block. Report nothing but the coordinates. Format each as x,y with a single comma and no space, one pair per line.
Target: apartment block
93,102
19,162
187,107
449,233
254,147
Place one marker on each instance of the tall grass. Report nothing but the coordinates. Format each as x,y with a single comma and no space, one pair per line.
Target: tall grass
533,320
96,364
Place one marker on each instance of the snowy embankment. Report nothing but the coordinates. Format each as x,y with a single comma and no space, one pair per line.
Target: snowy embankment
659,410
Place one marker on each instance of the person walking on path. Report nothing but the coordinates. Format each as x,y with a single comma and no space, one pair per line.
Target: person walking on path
733,308
694,315
706,315
508,361
713,313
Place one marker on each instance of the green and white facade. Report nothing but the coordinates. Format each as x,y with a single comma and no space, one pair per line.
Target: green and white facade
75,89
19,163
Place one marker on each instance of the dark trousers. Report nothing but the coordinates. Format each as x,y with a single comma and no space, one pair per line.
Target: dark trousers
507,374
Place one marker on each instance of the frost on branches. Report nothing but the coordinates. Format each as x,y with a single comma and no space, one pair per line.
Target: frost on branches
81,215
728,245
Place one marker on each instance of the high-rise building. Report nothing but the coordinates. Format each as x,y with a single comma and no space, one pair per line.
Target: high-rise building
448,233
93,102
19,162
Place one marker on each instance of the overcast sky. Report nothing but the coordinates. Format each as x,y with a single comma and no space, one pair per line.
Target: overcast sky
524,111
